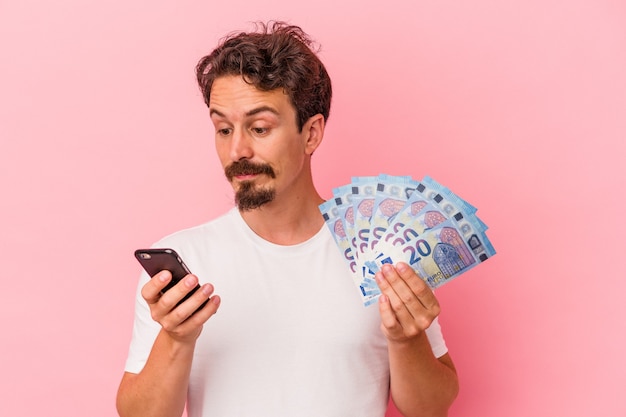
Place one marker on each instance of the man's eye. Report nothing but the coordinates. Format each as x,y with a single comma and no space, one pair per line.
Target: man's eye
260,130
224,132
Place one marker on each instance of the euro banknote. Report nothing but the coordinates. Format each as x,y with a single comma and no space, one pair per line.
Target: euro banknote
388,219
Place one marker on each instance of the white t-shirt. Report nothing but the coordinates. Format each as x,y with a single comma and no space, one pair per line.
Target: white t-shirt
291,336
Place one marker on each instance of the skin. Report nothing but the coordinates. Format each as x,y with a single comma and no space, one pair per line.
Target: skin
421,385
260,126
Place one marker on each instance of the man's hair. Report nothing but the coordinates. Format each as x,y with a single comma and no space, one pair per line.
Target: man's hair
275,55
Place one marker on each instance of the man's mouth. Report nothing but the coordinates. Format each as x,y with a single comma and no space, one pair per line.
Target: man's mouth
247,171
245,177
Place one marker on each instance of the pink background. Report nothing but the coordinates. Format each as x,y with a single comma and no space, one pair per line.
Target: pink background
519,107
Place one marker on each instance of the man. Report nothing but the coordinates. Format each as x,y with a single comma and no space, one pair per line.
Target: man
291,337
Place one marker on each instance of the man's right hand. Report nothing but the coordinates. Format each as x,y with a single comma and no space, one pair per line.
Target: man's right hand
180,322
160,389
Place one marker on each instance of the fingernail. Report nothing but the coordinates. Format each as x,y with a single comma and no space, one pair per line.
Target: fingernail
164,276
191,281
387,269
207,289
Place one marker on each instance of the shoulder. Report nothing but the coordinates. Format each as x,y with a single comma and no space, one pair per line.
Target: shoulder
212,229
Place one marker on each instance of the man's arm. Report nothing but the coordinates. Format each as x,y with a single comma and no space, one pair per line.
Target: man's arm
160,389
421,385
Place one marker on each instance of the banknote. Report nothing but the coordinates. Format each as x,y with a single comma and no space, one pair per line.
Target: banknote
343,200
437,255
363,197
392,194
331,214
427,209
337,216
388,219
436,191
411,212
448,201
462,213
425,216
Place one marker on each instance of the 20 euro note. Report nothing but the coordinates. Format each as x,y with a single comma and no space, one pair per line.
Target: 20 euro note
332,217
342,197
447,200
392,194
437,255
450,203
406,233
434,230
439,202
414,222
462,213
363,197
409,213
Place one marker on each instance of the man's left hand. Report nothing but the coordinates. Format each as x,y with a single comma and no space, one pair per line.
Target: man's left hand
407,305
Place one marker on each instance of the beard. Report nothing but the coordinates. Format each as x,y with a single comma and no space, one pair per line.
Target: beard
249,196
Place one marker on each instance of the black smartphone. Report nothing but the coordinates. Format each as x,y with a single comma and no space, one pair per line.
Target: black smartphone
156,260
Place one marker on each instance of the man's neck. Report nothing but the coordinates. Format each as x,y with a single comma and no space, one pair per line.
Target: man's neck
285,223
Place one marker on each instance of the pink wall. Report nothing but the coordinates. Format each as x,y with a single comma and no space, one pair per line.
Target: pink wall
520,107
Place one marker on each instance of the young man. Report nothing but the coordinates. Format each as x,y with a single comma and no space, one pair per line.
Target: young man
291,337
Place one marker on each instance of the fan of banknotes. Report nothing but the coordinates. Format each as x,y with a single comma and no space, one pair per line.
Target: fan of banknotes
389,219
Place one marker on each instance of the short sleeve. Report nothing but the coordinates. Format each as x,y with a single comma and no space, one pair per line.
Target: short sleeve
435,337
145,331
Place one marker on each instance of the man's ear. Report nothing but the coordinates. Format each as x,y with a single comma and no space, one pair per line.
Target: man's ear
314,129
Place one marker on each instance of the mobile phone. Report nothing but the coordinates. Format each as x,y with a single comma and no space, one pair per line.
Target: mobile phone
156,260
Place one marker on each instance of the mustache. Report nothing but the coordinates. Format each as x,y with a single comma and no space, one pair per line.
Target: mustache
245,167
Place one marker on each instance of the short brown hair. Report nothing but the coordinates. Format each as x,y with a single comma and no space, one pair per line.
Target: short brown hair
276,55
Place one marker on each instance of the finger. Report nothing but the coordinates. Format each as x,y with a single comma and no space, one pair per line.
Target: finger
384,279
190,315
183,323
387,315
417,286
427,306
411,316
402,297
151,292
191,328
174,295
207,307
191,305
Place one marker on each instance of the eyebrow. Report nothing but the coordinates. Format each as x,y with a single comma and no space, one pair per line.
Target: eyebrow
252,112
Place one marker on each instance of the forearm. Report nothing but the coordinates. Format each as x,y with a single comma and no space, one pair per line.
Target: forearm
160,389
421,385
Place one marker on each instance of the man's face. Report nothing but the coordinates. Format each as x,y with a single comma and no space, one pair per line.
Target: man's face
257,140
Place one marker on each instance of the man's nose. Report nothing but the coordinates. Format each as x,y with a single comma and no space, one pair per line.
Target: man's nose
241,146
